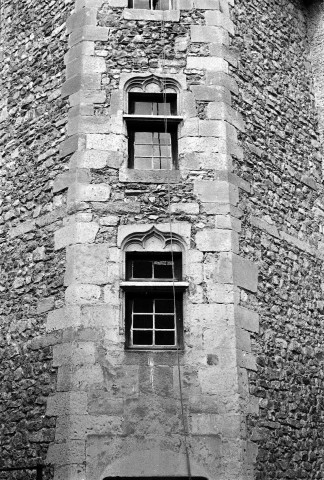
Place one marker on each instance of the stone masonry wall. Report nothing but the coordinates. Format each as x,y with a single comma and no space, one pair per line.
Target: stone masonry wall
118,411
32,125
282,231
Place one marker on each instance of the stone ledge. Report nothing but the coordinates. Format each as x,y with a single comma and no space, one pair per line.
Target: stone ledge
151,15
149,176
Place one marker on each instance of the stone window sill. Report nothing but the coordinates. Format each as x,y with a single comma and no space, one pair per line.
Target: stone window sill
149,176
153,15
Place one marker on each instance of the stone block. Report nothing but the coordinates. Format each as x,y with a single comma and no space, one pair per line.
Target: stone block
22,228
87,264
62,318
79,111
245,273
185,208
86,16
87,81
87,97
85,65
212,128
64,180
205,145
222,79
101,315
149,176
74,354
66,453
82,48
77,218
223,51
82,294
112,295
209,240
102,402
69,472
110,142
221,293
207,34
247,319
228,426
218,19
208,93
79,378
223,111
227,222
96,159
81,232
71,144
243,340
90,33
45,304
246,360
63,403
88,124
189,128
75,427
195,273
216,191
189,105
109,221
215,64
97,192
207,4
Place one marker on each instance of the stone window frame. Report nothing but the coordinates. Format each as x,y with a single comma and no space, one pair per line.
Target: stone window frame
154,241
151,83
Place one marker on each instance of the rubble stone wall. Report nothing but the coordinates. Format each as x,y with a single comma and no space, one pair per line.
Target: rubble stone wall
32,126
282,231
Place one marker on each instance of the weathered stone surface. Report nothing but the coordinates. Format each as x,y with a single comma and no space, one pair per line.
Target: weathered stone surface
217,241
82,294
78,232
88,264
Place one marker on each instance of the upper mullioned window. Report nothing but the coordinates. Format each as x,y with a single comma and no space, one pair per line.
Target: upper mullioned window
152,124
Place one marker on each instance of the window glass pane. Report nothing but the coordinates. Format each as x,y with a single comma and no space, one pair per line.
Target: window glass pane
164,338
143,137
142,337
165,305
143,163
142,269
161,5
164,321
144,108
144,150
143,305
143,321
162,164
164,108
161,151
162,138
163,269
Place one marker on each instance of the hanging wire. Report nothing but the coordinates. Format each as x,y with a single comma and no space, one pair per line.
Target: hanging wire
183,415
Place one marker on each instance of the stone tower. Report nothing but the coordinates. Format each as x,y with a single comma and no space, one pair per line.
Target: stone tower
161,238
